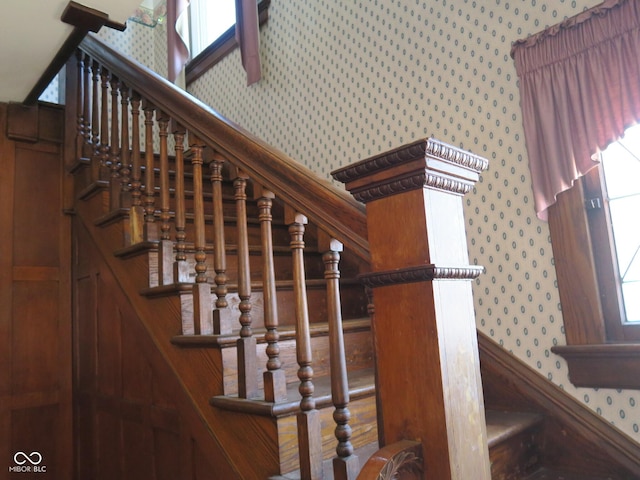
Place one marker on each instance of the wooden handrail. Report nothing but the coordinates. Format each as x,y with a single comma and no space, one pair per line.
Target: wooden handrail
329,207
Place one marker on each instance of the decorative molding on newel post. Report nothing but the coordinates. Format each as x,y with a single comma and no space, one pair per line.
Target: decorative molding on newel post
428,371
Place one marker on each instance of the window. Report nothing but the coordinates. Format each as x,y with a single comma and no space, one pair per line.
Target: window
212,32
208,21
621,194
612,201
596,243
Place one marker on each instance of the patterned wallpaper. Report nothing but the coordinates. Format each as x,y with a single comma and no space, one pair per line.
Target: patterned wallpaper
346,79
51,94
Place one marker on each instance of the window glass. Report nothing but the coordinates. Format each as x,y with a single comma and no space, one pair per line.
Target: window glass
209,20
621,164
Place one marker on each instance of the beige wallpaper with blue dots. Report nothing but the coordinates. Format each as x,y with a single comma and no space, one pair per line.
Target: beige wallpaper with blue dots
346,79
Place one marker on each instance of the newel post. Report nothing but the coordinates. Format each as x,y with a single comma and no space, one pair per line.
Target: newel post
428,371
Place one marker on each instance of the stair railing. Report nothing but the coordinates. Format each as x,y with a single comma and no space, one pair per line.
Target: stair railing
115,93
426,346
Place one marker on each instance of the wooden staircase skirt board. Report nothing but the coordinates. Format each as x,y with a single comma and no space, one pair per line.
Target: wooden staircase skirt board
574,438
361,385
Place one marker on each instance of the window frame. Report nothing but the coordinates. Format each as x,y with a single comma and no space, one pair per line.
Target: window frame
601,351
220,48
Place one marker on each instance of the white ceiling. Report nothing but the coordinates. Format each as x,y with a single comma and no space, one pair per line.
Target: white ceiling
31,33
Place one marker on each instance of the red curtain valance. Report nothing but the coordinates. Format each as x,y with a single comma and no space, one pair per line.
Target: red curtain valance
579,90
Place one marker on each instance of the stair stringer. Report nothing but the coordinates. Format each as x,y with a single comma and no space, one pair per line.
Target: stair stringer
573,437
198,372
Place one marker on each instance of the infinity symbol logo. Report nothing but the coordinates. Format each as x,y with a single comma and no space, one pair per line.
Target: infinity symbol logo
34,458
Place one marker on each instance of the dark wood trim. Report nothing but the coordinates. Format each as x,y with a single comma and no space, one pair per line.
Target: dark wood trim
332,209
22,122
610,365
571,239
518,386
219,49
35,123
85,20
606,264
590,307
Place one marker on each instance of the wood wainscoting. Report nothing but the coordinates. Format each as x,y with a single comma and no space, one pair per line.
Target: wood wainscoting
35,299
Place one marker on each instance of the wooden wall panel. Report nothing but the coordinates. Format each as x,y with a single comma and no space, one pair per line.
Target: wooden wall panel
34,430
128,423
37,179
35,324
138,450
35,301
166,445
109,354
86,318
108,452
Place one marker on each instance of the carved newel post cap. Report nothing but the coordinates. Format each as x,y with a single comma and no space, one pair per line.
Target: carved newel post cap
426,163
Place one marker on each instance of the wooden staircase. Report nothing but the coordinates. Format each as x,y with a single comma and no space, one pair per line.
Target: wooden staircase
249,296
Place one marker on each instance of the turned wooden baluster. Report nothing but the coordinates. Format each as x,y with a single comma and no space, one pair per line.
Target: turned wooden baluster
136,213
247,359
125,152
308,419
345,464
222,322
114,150
104,125
165,248
202,311
275,384
80,126
180,266
95,124
150,226
86,88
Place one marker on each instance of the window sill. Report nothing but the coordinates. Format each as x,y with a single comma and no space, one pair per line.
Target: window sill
219,49
609,365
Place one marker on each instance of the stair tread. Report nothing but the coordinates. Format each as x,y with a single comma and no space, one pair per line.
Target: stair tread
361,384
502,425
285,332
550,474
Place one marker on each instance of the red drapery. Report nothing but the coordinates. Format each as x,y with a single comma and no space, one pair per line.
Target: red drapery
579,89
248,37
177,49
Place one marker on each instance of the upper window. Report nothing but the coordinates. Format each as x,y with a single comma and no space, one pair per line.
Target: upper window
596,243
212,33
596,246
612,202
621,194
208,21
